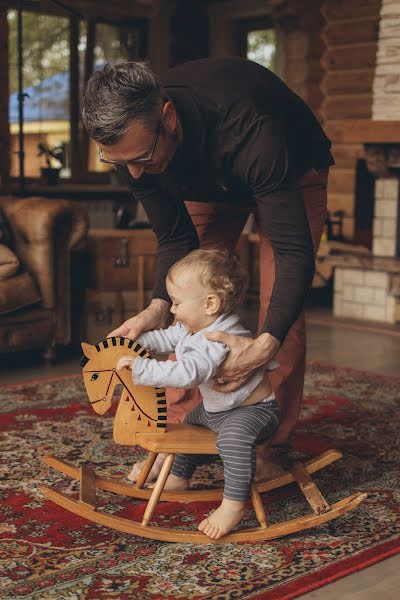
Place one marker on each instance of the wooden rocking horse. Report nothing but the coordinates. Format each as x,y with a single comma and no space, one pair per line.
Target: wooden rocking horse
141,418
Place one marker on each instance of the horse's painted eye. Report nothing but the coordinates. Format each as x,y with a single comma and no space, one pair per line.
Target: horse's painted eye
94,377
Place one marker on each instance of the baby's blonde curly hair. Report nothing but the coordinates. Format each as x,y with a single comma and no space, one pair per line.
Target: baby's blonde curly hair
218,271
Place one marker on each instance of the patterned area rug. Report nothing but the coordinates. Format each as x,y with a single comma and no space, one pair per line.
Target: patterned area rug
49,553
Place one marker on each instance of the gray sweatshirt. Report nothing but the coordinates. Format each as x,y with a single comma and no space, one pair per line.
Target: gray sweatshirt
197,361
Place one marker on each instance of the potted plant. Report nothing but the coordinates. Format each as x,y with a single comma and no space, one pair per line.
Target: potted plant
51,172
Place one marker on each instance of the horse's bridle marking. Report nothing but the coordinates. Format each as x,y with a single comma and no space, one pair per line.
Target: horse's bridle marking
115,372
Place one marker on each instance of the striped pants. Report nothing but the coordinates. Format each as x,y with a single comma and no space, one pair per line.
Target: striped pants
239,430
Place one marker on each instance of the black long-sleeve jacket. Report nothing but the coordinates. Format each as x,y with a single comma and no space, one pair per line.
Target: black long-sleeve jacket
246,140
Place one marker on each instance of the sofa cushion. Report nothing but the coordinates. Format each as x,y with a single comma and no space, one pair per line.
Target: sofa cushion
17,292
27,328
9,263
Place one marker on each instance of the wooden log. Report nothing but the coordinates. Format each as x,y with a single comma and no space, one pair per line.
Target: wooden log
346,155
316,47
342,58
315,71
339,10
348,82
364,31
314,95
354,106
342,181
363,131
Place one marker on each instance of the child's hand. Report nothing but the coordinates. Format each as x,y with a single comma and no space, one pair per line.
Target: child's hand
125,362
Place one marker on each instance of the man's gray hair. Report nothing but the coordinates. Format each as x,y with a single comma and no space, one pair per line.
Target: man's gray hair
118,94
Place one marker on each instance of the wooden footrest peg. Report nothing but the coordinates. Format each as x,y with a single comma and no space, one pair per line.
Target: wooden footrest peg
87,490
309,489
158,488
149,462
258,507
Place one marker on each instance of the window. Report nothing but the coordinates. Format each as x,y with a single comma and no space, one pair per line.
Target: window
46,56
59,50
256,40
261,47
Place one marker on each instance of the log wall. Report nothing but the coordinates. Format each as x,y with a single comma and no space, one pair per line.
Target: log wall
304,60
351,36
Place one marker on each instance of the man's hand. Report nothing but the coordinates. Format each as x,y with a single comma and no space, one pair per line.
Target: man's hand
245,356
155,316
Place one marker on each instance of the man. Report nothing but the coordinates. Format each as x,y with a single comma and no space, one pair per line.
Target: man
217,140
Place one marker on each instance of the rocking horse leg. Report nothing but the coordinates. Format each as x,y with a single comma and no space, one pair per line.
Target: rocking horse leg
87,490
258,507
309,489
144,473
158,488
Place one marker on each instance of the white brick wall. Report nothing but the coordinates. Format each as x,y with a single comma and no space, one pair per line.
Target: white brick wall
391,309
374,313
379,297
386,208
386,87
363,294
386,216
384,246
376,279
389,228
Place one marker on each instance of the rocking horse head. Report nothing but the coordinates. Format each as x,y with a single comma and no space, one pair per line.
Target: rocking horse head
141,408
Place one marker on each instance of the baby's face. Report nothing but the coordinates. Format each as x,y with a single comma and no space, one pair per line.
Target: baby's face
189,301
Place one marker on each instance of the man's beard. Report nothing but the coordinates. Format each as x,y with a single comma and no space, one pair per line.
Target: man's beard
173,144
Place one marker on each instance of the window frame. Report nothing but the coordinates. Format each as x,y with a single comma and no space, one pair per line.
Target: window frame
79,142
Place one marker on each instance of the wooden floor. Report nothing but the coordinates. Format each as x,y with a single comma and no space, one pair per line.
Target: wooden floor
336,343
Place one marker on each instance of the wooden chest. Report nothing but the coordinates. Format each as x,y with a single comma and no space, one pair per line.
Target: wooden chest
105,311
122,259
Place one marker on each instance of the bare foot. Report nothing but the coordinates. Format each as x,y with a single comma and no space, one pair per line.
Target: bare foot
222,520
155,469
174,483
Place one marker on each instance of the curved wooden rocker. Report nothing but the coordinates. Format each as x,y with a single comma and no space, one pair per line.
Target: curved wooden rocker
141,420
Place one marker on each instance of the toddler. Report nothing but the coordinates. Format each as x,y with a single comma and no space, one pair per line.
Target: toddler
205,288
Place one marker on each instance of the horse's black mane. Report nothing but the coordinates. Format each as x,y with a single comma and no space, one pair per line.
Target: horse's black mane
114,341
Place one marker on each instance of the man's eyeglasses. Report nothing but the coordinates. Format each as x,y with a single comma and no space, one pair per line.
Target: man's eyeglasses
135,161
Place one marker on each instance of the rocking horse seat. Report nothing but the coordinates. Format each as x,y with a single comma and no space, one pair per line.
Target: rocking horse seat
180,439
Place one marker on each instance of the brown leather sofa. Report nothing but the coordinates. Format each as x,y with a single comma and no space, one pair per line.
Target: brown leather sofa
35,301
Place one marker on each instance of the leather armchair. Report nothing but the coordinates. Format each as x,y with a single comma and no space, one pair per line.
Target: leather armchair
35,303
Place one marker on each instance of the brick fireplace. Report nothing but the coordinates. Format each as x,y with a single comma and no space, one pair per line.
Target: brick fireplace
367,287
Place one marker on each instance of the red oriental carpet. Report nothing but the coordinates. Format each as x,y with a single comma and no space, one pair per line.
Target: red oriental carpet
47,552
